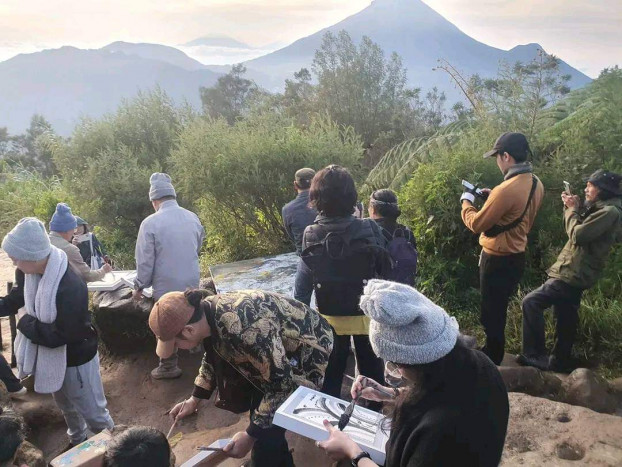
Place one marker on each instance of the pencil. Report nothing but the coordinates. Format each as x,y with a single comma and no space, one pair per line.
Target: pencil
380,390
175,421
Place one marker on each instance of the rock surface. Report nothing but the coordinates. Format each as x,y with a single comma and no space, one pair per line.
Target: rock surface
544,432
29,455
122,322
584,388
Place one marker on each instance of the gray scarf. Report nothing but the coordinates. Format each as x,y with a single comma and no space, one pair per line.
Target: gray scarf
517,169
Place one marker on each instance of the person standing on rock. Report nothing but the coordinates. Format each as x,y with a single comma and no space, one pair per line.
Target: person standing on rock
592,228
503,223
453,408
167,253
56,342
297,215
62,228
268,343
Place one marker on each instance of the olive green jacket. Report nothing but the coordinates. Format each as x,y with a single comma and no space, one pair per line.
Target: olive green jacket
591,234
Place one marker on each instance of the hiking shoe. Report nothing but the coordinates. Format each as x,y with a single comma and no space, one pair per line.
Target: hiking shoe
541,362
21,392
166,373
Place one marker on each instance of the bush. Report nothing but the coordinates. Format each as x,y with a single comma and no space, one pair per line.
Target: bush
27,194
239,176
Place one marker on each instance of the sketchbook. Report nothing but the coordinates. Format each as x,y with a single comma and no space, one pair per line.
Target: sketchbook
115,279
305,410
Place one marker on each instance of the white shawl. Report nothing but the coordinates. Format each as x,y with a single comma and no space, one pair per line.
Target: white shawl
46,364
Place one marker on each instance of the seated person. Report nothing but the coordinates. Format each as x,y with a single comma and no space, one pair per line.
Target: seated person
138,446
91,249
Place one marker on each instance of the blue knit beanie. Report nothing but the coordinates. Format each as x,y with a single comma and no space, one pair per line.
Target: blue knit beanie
406,326
63,220
28,241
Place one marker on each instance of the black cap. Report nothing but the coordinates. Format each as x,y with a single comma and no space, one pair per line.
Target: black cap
515,144
605,180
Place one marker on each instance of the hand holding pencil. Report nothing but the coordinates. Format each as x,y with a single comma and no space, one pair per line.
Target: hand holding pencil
369,389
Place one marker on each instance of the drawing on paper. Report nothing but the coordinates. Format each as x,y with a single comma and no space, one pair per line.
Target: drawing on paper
314,408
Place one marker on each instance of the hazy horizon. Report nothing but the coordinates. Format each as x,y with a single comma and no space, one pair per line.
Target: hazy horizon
584,34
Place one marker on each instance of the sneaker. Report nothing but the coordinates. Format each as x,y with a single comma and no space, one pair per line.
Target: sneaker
541,362
21,392
166,373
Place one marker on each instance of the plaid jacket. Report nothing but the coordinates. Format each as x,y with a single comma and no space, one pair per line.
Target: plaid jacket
276,342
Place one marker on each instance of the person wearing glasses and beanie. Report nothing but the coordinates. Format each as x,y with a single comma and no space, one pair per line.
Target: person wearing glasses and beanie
453,409
592,228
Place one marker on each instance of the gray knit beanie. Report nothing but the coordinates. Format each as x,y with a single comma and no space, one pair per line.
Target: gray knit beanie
28,241
62,219
161,186
406,327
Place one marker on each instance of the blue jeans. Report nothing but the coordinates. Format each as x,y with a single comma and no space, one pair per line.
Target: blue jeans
303,285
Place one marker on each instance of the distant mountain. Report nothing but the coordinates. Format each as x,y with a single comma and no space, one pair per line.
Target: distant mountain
217,41
415,31
64,84
159,52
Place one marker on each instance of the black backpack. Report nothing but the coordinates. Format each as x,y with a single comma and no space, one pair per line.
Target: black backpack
403,256
341,267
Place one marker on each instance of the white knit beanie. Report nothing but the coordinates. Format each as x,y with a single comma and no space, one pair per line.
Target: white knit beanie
406,327
28,241
161,186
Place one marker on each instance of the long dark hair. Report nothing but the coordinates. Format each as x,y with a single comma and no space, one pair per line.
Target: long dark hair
430,378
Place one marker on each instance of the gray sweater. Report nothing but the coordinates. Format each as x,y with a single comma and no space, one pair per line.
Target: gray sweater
167,250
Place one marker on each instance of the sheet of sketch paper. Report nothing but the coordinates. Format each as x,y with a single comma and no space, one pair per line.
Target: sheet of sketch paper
315,408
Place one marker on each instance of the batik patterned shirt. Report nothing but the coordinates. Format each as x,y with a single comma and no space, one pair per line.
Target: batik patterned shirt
276,342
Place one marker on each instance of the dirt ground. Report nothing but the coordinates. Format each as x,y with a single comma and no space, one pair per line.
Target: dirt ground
540,431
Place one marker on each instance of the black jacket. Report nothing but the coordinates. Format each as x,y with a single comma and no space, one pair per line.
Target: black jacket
73,322
461,423
15,299
297,215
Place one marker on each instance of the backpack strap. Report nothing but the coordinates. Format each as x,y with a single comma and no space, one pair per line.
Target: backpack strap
499,229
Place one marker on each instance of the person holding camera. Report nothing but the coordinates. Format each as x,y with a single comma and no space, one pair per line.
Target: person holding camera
592,228
503,223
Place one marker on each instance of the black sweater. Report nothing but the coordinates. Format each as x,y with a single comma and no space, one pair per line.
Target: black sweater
73,322
463,423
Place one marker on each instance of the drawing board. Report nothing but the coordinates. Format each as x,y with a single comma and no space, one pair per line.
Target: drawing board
305,410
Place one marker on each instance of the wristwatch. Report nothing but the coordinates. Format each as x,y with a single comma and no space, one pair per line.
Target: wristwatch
362,455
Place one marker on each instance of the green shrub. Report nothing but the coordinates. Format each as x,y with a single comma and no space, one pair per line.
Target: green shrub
239,176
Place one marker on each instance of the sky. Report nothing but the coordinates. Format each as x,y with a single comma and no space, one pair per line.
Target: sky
584,33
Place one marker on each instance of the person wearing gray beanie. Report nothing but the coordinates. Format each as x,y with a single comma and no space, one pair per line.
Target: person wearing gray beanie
160,186
452,408
27,241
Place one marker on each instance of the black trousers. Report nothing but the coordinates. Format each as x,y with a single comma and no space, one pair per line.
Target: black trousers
7,377
565,301
271,450
367,363
498,279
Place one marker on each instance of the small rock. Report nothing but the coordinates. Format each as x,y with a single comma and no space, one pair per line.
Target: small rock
584,388
616,385
530,381
29,455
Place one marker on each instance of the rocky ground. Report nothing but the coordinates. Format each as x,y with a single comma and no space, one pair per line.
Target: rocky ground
541,431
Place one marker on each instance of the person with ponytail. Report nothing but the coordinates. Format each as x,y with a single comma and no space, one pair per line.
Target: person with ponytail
265,341
453,409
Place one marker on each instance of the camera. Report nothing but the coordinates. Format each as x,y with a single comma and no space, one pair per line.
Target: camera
473,189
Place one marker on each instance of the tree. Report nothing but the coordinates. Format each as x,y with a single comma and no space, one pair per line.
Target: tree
30,150
231,96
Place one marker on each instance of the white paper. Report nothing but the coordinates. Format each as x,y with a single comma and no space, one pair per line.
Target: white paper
305,410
